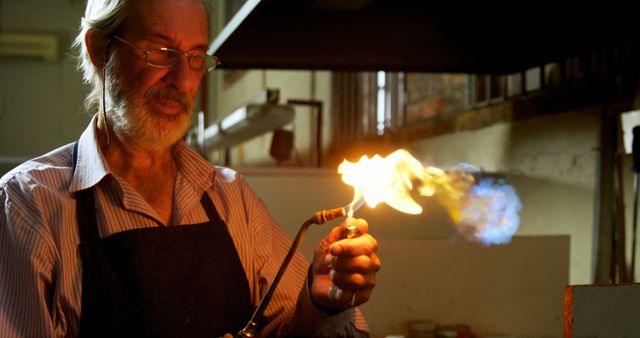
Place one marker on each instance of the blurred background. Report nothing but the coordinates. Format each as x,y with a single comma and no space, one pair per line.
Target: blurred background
536,95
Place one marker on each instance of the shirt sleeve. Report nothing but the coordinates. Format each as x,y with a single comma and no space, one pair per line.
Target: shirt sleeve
348,323
26,266
291,311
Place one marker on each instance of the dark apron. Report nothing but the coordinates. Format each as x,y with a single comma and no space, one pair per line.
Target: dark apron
176,281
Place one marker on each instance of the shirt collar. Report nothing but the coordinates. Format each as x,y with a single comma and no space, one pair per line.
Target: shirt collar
91,166
198,171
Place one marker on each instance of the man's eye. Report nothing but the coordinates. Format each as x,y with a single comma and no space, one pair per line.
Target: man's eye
162,57
197,60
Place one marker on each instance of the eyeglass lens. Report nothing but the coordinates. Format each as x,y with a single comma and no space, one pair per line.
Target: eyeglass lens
168,58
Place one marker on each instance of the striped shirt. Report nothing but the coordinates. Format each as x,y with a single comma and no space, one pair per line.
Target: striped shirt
40,267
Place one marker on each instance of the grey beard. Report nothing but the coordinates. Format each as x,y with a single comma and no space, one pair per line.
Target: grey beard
131,121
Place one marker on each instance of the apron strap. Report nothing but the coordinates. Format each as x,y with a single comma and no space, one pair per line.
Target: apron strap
75,157
86,209
209,208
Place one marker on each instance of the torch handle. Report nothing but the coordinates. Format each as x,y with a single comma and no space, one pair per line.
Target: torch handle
251,330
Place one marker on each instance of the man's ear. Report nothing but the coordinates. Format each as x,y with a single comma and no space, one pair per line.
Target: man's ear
96,43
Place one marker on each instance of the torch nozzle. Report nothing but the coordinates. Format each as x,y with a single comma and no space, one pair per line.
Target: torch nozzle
324,216
358,201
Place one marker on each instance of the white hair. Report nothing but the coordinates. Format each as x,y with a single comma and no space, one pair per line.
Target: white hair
103,16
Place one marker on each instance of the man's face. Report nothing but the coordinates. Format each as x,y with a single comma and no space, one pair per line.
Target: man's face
152,106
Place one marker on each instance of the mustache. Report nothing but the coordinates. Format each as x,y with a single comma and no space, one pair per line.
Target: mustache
170,94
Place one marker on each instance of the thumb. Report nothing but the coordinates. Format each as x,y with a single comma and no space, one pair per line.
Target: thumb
359,223
340,232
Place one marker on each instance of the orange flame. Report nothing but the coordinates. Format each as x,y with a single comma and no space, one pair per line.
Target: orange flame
486,211
391,179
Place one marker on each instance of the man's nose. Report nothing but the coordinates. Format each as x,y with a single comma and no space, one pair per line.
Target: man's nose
183,77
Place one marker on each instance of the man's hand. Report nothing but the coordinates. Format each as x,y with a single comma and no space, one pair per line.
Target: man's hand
344,267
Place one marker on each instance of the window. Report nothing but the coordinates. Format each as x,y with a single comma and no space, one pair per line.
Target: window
374,104
382,108
367,104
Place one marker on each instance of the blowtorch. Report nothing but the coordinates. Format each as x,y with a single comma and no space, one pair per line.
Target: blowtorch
321,217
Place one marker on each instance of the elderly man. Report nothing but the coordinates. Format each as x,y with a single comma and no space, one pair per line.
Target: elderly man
128,232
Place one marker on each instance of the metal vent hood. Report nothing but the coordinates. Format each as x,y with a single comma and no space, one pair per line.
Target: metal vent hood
429,36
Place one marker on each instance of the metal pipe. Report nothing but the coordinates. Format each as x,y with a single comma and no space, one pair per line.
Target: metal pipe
635,147
318,137
632,273
320,217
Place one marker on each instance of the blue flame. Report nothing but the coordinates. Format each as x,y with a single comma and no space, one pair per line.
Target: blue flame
491,212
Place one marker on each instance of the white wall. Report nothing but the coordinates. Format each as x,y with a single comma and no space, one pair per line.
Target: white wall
550,160
603,310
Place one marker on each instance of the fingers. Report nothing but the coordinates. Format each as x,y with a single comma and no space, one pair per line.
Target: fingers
353,276
339,232
362,245
353,281
347,298
344,269
335,241
360,224
358,264
330,296
353,263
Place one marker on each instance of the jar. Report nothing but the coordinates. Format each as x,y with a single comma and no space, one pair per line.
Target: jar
464,331
447,332
422,329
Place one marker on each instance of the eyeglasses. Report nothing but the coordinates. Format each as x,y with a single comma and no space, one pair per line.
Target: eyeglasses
167,57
